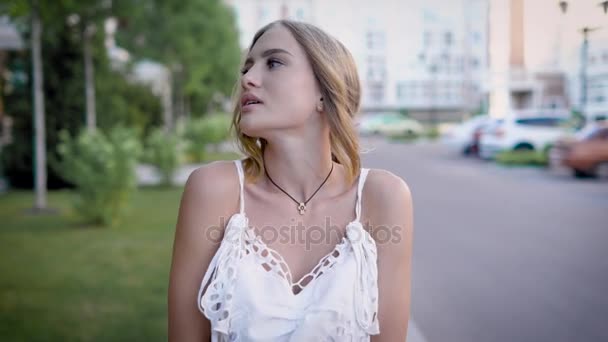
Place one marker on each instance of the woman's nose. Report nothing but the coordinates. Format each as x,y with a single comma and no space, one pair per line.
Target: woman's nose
251,78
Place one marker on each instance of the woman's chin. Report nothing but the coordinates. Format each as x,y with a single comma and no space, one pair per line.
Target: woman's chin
252,129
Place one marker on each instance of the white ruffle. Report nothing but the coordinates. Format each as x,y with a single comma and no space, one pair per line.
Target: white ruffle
366,282
216,302
307,325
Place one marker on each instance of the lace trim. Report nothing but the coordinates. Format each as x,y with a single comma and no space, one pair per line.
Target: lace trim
273,262
216,302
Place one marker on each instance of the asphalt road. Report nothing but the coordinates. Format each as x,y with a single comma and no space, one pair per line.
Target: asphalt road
502,254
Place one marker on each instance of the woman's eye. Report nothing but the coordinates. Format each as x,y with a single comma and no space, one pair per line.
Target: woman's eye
273,63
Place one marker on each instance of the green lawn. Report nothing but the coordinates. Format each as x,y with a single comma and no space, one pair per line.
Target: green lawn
62,281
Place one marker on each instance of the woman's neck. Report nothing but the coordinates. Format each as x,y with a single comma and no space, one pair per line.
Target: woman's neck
298,170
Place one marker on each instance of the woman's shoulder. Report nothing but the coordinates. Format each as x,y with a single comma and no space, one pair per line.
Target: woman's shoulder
217,179
387,203
219,170
385,186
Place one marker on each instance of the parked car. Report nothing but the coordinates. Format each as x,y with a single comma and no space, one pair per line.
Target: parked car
464,138
585,153
597,115
529,132
389,124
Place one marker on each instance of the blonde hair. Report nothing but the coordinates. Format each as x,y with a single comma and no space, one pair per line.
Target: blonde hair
335,71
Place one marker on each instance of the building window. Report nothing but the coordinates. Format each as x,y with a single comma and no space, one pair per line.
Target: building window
376,68
376,92
448,38
375,40
476,37
404,91
427,38
474,62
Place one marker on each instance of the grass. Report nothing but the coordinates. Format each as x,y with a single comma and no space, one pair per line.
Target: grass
61,281
403,137
523,158
429,133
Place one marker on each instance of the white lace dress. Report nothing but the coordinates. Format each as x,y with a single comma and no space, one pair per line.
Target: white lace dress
251,295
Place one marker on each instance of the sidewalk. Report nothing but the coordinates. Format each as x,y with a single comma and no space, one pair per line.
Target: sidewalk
413,333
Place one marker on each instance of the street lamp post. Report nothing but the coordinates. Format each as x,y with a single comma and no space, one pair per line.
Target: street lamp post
563,5
584,58
433,117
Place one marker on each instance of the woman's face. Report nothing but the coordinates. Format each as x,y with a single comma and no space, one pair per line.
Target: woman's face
279,90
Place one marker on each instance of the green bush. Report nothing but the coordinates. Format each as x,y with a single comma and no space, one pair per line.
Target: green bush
102,167
162,151
404,137
201,132
530,158
432,133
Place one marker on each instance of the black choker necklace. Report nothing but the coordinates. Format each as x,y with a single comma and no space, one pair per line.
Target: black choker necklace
301,205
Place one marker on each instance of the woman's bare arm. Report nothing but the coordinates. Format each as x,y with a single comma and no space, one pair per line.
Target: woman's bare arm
387,204
207,201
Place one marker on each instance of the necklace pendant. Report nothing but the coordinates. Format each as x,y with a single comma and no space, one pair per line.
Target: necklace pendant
302,208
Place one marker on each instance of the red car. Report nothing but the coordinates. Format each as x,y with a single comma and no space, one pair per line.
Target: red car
586,153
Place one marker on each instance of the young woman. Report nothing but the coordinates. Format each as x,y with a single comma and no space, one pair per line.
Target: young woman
295,242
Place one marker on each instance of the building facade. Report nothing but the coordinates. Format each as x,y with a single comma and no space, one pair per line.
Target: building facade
423,57
597,80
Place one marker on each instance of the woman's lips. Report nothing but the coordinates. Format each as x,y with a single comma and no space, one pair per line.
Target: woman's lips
249,107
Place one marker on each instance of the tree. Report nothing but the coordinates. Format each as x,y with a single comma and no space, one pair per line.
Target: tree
119,101
20,8
38,109
196,39
88,17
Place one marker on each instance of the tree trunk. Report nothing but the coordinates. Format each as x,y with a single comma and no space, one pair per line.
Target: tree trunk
40,179
89,79
167,102
2,86
178,94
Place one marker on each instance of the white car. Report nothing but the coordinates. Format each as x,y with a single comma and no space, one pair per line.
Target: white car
389,124
522,133
463,138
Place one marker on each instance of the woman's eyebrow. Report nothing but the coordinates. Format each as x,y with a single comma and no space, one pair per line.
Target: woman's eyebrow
268,53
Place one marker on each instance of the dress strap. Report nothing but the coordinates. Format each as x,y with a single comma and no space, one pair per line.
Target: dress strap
366,257
239,168
362,178
221,274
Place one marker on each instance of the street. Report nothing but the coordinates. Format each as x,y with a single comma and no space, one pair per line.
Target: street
502,254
